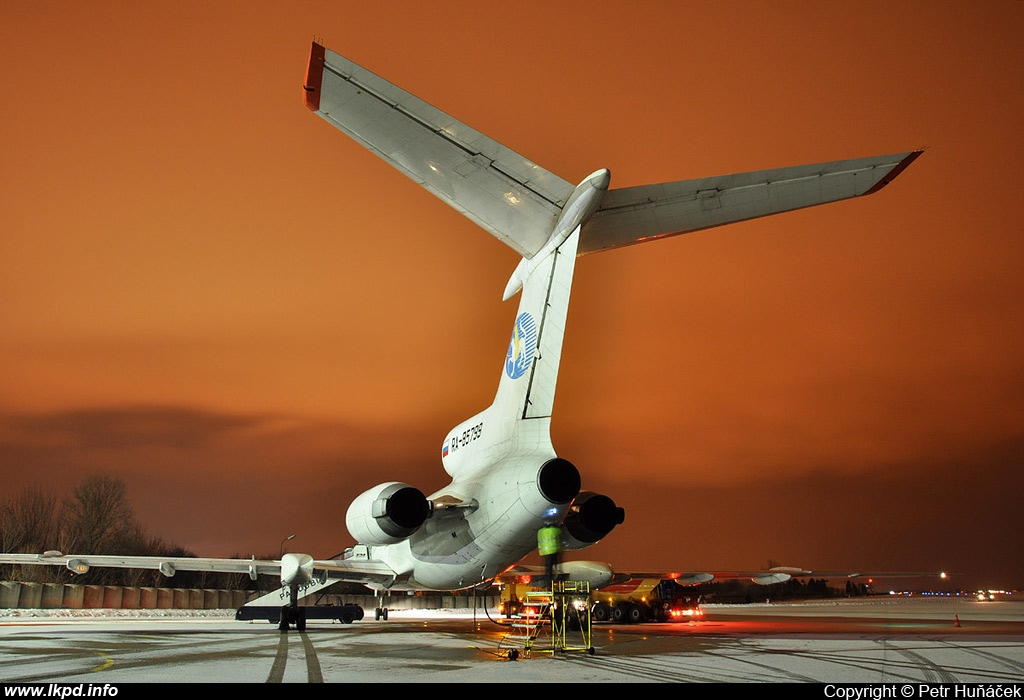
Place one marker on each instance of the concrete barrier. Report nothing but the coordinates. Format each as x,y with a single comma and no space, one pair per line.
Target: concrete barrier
10,592
15,594
31,595
225,600
112,597
93,597
74,597
53,596
130,598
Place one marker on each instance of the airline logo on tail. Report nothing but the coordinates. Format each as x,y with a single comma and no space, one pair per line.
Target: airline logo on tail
522,346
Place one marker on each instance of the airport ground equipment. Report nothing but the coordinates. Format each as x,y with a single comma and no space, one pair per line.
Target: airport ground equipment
555,620
646,600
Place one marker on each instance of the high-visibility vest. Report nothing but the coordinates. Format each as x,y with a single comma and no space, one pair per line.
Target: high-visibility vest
549,540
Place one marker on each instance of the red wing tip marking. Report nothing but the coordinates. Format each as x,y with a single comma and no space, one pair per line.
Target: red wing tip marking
314,77
900,167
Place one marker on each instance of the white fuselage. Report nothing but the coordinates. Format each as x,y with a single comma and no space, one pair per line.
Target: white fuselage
484,521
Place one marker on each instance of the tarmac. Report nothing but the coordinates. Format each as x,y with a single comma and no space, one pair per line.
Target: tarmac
880,641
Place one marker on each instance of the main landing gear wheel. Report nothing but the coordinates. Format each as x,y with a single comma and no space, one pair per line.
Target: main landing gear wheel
291,615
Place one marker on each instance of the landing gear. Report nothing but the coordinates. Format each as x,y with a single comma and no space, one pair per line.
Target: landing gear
380,612
292,613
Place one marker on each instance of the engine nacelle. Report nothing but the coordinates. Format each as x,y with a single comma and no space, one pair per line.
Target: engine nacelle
590,518
387,513
554,484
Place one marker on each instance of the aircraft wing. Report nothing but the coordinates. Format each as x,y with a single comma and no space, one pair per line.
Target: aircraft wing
648,212
353,570
779,574
509,196
601,575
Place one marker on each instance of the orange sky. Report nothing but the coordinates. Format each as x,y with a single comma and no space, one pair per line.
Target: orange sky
210,292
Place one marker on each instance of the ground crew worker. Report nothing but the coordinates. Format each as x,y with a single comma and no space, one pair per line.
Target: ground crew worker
549,546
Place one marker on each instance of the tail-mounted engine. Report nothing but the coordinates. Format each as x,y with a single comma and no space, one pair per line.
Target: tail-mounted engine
553,484
590,518
387,513
558,481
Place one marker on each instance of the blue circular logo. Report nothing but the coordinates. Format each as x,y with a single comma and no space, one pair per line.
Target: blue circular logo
522,346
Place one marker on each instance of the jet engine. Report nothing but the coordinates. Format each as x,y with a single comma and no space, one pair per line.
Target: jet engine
555,483
590,518
387,513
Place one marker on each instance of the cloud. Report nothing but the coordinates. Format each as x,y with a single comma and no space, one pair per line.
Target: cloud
124,427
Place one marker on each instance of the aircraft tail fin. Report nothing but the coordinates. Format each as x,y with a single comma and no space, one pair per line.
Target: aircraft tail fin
520,415
527,385
526,391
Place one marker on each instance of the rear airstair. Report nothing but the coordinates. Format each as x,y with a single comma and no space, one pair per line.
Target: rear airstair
533,618
551,621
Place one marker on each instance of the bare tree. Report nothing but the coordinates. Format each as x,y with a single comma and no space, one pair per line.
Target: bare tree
98,518
95,518
28,522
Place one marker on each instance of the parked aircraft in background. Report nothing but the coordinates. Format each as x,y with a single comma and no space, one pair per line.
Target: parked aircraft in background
506,478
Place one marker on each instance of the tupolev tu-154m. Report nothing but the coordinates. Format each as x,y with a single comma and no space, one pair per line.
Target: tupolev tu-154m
506,478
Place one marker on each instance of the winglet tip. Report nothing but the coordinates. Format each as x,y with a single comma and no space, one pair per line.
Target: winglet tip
314,77
899,168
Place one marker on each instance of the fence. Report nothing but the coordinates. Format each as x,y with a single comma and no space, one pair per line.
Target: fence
67,596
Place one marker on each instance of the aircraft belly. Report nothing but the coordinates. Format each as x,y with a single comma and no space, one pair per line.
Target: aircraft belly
451,551
447,539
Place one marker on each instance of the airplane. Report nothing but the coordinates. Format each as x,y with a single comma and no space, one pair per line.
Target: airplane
507,480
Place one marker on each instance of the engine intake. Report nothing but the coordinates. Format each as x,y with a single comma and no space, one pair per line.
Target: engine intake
387,513
590,518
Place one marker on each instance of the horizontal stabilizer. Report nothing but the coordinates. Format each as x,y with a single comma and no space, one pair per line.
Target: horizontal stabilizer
519,202
648,212
509,196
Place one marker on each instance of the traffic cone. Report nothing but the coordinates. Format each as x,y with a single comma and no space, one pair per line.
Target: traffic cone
956,620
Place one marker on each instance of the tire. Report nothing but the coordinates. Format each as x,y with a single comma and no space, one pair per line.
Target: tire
601,612
635,614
